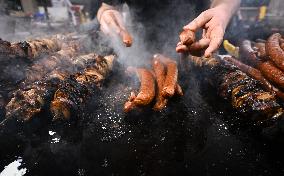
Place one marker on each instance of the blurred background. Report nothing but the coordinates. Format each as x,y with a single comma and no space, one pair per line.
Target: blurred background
23,18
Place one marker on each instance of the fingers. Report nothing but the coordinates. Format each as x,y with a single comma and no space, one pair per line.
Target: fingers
201,44
216,39
112,25
200,21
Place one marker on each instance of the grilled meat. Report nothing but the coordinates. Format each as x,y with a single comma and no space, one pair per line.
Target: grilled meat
61,59
274,50
256,74
244,93
267,68
74,91
30,100
29,49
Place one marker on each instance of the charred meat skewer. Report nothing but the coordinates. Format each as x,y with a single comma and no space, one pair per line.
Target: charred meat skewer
29,49
32,99
256,74
244,93
74,91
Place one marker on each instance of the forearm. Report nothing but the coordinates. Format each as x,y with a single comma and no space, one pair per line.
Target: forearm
231,6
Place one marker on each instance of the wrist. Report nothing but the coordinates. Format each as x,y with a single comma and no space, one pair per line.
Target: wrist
225,12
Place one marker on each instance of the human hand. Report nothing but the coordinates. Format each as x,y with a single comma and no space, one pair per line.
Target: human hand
213,22
111,24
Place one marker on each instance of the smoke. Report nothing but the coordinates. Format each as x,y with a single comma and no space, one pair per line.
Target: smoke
152,33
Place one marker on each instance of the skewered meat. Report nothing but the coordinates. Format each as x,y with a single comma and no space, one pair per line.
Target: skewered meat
244,93
256,74
274,50
25,104
32,99
61,59
29,49
75,90
267,68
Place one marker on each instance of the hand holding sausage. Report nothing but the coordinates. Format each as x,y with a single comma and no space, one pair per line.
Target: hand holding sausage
112,24
213,22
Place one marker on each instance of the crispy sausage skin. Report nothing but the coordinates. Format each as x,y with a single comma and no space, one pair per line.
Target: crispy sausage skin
187,37
129,105
147,87
171,76
272,73
160,74
267,68
274,50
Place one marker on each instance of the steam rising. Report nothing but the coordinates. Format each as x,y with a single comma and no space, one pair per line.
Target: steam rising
158,34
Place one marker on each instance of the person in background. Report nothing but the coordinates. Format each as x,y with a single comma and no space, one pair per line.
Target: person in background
164,19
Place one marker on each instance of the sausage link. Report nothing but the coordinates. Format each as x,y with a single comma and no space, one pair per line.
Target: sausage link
129,105
160,74
171,76
178,90
147,88
274,50
187,37
272,73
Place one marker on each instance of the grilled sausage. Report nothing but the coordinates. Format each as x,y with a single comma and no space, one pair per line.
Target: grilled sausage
274,50
267,68
147,87
272,73
187,37
178,90
160,73
171,76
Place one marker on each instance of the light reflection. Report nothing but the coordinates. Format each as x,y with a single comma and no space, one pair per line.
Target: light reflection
13,169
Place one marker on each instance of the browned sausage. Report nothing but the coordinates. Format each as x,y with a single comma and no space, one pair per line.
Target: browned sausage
181,48
160,74
272,73
129,105
261,50
187,37
267,68
171,76
179,90
147,87
274,50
